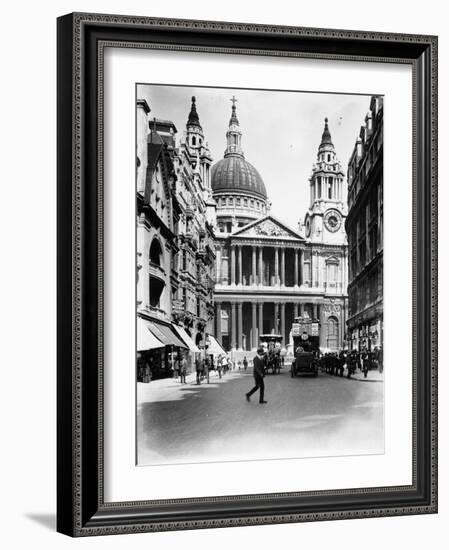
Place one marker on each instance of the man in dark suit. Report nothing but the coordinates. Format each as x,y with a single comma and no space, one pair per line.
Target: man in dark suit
258,373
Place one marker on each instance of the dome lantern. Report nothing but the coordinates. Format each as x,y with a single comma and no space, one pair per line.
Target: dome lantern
234,173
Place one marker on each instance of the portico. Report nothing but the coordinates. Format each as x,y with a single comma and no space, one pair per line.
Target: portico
240,320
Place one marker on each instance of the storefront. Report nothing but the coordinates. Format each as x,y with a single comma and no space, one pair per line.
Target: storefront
192,348
156,357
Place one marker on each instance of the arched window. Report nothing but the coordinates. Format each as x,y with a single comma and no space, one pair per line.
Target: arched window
156,288
155,252
194,141
328,158
332,333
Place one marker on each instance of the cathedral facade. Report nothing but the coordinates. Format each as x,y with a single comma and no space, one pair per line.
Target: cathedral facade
268,274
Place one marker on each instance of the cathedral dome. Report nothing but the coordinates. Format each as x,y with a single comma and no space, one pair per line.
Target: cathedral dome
234,173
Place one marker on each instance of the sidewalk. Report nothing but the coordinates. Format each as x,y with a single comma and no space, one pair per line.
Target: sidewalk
166,389
373,376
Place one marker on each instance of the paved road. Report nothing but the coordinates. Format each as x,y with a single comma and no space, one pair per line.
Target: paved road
304,416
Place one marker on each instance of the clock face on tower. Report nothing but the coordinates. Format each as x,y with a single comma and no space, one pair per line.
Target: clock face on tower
332,220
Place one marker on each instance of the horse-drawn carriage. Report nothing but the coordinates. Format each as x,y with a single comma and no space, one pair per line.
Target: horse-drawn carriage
272,346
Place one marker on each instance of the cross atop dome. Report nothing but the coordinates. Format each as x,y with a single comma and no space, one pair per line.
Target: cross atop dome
234,120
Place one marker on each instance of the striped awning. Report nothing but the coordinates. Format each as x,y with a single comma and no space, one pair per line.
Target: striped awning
166,334
187,339
146,340
214,347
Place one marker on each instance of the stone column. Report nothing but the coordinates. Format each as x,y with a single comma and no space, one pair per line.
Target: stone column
260,265
302,268
283,266
218,321
276,317
253,270
283,325
260,319
296,251
240,271
240,324
315,311
232,265
323,328
312,269
295,310
254,325
276,266
301,309
233,326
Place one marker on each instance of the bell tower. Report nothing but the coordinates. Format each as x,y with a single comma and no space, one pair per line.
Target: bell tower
199,152
325,220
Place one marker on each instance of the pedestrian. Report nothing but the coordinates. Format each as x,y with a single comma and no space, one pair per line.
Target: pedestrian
239,364
365,364
206,369
229,364
199,370
220,366
259,374
381,361
183,369
245,363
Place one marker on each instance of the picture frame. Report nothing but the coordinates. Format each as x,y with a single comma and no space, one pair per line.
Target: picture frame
81,507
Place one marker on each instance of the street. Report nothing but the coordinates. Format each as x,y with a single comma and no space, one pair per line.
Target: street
304,417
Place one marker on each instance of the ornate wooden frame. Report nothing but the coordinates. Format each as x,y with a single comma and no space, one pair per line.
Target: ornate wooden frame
81,507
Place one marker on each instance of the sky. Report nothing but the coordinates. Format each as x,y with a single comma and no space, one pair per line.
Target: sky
281,132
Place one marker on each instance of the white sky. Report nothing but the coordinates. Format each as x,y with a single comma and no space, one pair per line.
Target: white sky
281,132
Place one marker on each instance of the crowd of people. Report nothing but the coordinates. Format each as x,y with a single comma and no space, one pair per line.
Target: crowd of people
337,363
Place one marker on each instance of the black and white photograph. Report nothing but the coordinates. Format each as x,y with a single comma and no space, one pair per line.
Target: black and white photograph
259,274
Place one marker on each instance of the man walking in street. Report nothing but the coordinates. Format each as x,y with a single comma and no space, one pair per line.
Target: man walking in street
183,369
259,374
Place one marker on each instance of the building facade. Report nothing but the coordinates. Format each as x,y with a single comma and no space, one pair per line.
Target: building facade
364,227
267,273
175,229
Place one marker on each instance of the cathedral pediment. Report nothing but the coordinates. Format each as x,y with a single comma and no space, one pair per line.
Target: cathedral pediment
268,228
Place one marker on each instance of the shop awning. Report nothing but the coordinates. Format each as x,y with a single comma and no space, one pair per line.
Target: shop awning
214,347
166,335
187,339
145,338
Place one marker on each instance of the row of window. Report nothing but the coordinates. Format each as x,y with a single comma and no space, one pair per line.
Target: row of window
367,293
200,141
238,201
324,155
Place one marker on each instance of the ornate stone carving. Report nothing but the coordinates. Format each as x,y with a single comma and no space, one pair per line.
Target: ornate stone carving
270,229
